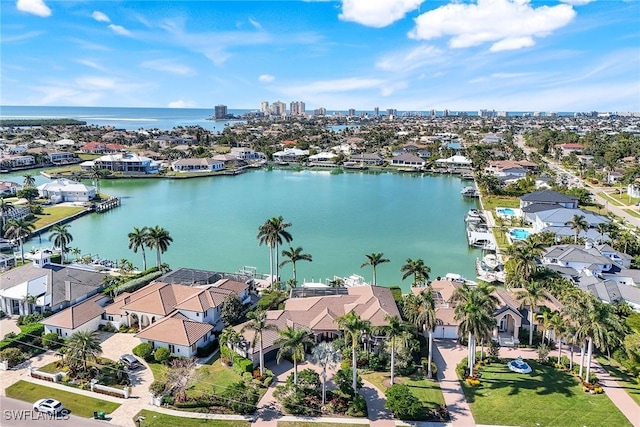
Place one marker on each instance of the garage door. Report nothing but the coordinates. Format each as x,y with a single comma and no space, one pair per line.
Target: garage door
446,332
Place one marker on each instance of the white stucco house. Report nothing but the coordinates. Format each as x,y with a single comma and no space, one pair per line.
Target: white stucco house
66,190
84,316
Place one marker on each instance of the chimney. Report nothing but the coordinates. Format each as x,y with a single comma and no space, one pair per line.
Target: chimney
67,290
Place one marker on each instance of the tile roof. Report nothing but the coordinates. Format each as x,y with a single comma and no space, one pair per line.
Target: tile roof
77,315
175,329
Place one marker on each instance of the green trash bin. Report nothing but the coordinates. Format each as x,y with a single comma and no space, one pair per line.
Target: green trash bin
100,415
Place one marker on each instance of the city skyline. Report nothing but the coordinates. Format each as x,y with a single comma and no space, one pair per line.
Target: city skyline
502,55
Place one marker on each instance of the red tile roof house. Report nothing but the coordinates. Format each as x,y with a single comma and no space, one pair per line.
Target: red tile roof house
319,314
571,148
95,147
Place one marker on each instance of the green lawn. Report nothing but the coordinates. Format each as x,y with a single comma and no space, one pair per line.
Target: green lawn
158,370
633,212
51,214
545,397
626,381
426,390
611,199
78,404
490,203
156,419
312,424
214,373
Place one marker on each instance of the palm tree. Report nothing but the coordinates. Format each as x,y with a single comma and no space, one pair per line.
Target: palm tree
327,357
293,256
603,228
353,326
374,259
29,180
578,223
420,310
76,252
137,239
532,295
397,332
5,209
258,323
292,341
272,233
159,239
61,238
19,229
83,345
96,174
417,268
524,256
557,323
474,312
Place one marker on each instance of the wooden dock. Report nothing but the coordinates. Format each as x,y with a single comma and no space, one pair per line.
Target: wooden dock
107,205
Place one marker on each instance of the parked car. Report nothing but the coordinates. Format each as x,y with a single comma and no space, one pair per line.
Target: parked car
48,406
130,361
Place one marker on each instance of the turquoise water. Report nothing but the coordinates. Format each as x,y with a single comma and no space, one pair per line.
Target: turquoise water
336,218
519,234
506,211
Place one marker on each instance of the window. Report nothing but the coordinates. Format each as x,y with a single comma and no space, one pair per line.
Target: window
172,348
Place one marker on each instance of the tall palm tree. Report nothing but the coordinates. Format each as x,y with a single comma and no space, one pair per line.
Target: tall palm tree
578,223
474,311
29,180
159,239
137,240
532,295
327,357
96,174
397,332
602,228
83,345
273,233
292,340
61,238
258,323
420,310
374,259
557,323
5,209
417,268
19,229
293,256
523,256
353,326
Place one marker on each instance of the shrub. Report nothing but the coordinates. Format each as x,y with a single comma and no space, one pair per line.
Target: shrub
543,353
343,380
161,355
242,365
240,398
376,363
474,382
403,403
28,319
108,327
13,356
494,351
396,291
51,340
207,349
144,350
247,377
358,407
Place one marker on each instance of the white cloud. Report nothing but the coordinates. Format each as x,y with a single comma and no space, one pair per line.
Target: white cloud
118,29
19,37
577,2
255,23
168,66
91,64
507,24
100,17
411,59
376,13
266,78
181,103
389,89
36,7
96,83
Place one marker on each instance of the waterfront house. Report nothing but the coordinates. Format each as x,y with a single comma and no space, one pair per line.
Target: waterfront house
95,147
177,333
127,163
290,155
367,159
17,161
319,314
8,188
408,159
247,154
54,286
197,165
62,157
66,190
323,158
84,316
454,161
549,197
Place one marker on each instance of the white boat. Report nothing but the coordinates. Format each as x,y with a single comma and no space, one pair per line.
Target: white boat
470,192
474,215
490,269
482,239
455,277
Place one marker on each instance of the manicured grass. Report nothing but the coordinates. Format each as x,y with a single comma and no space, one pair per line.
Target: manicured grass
158,370
610,198
633,212
624,198
78,404
51,214
490,203
214,373
311,424
426,390
156,419
622,376
545,397
51,368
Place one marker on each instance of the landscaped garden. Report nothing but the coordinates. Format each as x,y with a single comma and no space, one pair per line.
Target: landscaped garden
546,396
78,404
630,384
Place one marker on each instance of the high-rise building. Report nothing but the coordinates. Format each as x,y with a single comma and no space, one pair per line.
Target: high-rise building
264,107
352,112
376,112
296,108
392,112
278,108
320,111
220,112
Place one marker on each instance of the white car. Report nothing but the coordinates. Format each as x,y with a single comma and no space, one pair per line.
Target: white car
48,406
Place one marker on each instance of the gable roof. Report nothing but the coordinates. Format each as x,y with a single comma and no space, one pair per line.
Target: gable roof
77,315
548,196
175,329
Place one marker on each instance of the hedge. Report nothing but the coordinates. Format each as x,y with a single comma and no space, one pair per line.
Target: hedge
242,365
207,349
25,336
134,284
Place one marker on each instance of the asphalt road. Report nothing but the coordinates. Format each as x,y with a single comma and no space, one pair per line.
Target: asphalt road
16,413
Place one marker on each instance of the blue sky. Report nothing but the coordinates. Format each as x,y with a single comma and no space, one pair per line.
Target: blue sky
513,55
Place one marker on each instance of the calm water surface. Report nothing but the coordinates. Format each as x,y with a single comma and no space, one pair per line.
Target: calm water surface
336,218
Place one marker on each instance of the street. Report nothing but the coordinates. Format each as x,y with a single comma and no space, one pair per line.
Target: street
18,413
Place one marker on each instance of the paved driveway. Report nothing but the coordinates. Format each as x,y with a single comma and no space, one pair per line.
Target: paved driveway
8,325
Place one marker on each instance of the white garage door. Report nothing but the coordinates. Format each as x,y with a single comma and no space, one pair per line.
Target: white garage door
446,332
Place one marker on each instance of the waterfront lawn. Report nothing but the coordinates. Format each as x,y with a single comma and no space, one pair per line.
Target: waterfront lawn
156,419
426,390
51,214
544,397
78,404
490,203
622,376
214,373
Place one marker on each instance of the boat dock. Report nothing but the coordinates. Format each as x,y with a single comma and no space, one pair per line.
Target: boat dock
108,204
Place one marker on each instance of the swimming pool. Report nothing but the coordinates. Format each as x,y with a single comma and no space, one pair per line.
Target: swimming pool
519,234
506,211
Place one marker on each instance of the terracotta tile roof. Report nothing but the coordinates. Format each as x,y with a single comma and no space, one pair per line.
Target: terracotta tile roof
175,329
116,306
231,285
77,315
445,315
